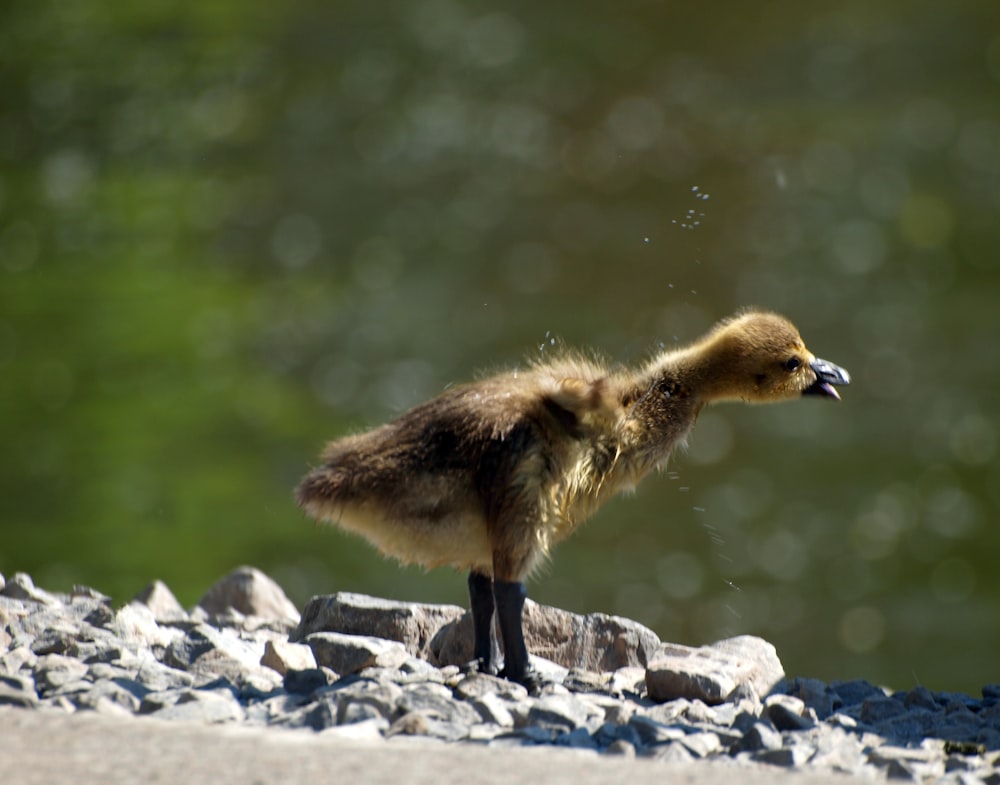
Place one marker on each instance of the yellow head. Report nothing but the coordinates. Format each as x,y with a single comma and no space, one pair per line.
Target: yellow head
759,357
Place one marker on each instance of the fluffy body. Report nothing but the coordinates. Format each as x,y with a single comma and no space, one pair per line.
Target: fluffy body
488,476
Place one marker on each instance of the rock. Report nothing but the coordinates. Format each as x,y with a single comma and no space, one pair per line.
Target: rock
712,673
420,724
815,695
18,690
16,659
381,696
881,708
308,680
563,713
112,695
611,733
410,623
760,736
75,652
208,706
620,747
162,602
352,653
673,752
494,710
652,732
787,757
282,656
853,693
250,592
21,587
53,671
438,702
185,651
787,713
596,642
135,624
370,730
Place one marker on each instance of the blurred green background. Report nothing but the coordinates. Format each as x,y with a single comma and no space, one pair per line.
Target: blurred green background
230,231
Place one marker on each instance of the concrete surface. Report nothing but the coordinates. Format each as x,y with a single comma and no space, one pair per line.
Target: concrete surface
40,747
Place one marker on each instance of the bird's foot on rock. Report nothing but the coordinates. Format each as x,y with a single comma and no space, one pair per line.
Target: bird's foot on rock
481,665
530,679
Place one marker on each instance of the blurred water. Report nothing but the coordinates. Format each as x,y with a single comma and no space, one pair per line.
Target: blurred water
230,232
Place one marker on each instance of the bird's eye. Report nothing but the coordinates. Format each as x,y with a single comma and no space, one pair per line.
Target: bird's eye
792,363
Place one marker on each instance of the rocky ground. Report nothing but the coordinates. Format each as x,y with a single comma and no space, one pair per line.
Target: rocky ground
382,674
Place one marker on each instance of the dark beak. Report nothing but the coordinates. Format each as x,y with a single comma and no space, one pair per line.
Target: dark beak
828,376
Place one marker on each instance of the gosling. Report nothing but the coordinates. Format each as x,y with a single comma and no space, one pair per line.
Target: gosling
489,476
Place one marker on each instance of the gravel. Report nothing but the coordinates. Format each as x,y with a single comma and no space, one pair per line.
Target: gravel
243,658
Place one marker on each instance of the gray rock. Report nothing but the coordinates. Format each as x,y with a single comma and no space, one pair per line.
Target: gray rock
18,690
578,739
564,713
920,698
672,752
838,750
135,624
382,696
909,763
787,757
787,712
881,708
651,731
308,680
760,736
21,587
418,723
250,592
703,743
711,673
367,731
110,695
853,693
596,642
494,710
815,695
436,701
207,706
75,652
158,677
53,671
611,733
162,602
282,656
410,623
621,748
346,654
185,651
477,685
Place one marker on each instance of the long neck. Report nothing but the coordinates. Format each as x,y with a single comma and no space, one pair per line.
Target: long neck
661,402
697,371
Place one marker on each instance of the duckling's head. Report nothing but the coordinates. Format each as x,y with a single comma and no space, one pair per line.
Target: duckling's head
759,357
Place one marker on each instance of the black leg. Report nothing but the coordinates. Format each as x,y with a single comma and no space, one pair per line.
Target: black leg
510,604
481,602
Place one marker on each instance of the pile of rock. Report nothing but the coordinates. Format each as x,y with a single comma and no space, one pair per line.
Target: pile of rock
364,667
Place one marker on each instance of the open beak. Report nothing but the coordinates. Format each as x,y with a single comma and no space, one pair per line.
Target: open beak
828,377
